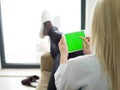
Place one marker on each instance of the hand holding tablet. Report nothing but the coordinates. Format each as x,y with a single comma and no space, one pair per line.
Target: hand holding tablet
73,41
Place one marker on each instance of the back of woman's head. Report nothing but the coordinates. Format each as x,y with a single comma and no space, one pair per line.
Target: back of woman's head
106,39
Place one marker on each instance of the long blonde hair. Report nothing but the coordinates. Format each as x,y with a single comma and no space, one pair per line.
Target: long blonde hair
106,39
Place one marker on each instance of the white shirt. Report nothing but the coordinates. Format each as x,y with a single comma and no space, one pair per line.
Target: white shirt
81,72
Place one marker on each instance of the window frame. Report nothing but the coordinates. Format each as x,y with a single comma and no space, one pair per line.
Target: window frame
16,65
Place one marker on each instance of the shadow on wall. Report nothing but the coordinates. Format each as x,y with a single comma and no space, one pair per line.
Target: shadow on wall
0,61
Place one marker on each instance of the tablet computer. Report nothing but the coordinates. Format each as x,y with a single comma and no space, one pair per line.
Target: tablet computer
73,41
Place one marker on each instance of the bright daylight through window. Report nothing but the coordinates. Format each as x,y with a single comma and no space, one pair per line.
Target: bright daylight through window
21,21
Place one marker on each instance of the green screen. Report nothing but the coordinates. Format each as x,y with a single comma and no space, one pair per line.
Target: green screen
73,41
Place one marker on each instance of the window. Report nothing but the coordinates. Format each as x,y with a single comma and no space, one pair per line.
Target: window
21,21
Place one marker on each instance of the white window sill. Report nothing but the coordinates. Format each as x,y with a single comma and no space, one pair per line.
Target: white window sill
19,72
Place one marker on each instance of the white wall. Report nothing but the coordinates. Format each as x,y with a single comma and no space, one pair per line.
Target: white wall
89,11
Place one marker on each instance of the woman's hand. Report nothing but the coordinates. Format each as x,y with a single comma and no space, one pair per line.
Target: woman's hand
86,45
63,50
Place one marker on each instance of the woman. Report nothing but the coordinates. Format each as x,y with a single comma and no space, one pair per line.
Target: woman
99,71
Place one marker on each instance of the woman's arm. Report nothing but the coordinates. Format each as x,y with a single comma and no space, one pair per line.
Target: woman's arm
63,62
63,51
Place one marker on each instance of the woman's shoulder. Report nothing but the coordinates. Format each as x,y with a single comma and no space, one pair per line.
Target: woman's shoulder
85,59
87,63
82,70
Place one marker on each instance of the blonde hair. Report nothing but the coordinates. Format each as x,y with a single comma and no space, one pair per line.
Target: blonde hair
106,39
